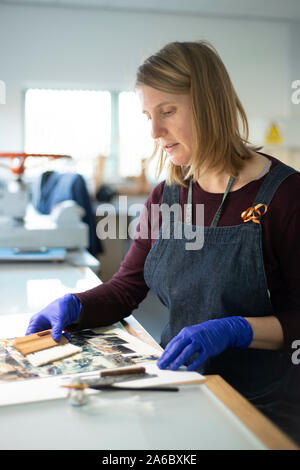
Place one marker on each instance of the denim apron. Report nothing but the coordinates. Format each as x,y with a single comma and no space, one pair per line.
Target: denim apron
226,277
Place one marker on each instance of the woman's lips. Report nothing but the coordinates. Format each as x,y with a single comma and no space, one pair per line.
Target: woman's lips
169,148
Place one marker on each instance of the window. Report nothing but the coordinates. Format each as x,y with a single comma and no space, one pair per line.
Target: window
71,122
135,140
84,124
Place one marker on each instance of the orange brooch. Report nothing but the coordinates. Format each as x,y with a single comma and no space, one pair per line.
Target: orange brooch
254,214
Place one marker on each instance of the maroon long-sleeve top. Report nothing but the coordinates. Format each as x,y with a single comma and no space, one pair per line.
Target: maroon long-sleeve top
117,298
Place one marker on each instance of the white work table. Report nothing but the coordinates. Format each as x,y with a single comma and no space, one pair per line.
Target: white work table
200,416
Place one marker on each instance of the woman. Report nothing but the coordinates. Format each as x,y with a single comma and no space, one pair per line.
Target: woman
233,303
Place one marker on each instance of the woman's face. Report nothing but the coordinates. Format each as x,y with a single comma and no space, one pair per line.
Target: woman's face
171,122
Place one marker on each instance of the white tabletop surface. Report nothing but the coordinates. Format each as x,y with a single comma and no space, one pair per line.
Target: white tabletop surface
189,419
192,418
28,287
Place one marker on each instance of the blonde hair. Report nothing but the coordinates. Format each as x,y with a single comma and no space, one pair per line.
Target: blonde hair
195,68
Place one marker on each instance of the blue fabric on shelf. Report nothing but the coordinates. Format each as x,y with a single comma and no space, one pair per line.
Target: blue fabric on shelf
53,187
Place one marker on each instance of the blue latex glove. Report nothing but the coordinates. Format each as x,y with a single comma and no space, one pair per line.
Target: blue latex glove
208,339
56,316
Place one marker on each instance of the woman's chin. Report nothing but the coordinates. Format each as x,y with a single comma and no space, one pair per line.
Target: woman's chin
179,161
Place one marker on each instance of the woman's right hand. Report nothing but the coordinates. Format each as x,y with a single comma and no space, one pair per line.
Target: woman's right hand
59,314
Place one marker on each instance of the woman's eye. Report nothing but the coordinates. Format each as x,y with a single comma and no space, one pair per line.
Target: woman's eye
168,113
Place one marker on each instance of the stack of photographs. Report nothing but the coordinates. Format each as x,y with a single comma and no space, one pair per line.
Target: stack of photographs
100,350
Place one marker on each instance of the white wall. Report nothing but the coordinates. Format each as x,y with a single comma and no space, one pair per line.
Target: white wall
295,62
44,46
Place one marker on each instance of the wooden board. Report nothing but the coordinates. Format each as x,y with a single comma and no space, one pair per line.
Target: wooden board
37,342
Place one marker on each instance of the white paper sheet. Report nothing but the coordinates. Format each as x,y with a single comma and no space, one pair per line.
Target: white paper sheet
50,388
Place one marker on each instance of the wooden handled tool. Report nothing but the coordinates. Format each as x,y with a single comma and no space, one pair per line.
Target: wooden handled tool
116,388
37,342
123,371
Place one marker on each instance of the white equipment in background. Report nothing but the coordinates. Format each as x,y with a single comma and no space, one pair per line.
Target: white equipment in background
14,199
23,228
27,235
62,228
59,236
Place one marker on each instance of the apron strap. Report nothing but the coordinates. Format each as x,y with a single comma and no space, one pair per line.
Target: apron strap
188,208
188,211
219,210
271,183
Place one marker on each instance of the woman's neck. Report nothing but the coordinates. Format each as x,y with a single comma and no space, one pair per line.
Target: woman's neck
216,181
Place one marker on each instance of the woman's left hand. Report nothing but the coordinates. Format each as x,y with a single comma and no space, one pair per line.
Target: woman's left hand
207,339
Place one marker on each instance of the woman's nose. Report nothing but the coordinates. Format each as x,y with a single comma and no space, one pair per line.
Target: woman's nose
157,130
